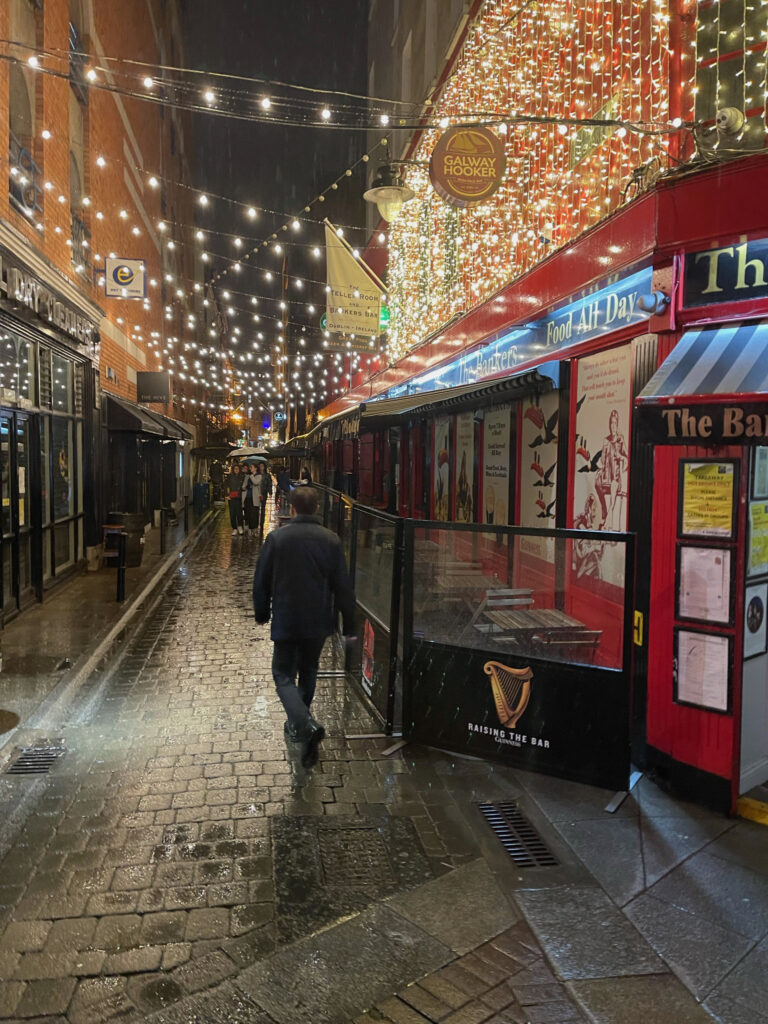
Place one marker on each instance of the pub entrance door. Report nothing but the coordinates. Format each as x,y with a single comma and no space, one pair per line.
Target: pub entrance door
21,501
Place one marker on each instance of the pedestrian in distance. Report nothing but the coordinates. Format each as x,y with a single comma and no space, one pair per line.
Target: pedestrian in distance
250,492
284,488
264,496
301,581
306,476
234,485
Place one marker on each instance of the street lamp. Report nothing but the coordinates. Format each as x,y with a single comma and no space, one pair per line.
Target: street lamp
388,192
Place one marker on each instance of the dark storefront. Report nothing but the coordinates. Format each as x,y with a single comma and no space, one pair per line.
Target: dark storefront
145,458
46,403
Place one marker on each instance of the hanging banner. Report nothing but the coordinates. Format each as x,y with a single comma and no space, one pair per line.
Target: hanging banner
464,498
125,279
441,464
601,461
497,460
467,165
354,299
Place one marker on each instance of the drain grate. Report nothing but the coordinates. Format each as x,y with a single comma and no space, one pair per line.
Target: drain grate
355,857
518,836
35,760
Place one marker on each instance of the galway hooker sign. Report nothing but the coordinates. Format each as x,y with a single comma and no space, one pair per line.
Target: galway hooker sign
467,165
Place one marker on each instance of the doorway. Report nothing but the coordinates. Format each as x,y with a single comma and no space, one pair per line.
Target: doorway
20,496
754,709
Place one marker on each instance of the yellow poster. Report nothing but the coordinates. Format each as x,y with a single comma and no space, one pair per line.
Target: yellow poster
758,539
708,496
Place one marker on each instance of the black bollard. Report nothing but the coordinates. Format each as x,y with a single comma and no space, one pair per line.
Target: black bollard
163,524
121,540
186,514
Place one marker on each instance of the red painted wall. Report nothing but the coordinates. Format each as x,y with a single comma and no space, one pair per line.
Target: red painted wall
703,739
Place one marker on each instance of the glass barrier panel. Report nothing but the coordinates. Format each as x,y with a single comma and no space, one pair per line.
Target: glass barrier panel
375,555
520,593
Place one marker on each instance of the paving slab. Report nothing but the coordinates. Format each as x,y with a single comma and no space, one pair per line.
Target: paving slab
462,909
699,952
731,897
308,982
585,935
655,999
746,984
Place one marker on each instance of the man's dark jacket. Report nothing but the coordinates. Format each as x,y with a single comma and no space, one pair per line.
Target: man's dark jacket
302,576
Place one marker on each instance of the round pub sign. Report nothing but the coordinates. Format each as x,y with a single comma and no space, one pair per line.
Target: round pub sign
467,165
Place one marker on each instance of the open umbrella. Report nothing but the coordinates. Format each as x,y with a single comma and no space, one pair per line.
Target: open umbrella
253,460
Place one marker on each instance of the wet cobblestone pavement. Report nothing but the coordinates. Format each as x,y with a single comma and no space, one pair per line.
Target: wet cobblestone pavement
178,864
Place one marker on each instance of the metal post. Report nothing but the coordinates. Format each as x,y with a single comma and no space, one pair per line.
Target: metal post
163,524
186,514
121,542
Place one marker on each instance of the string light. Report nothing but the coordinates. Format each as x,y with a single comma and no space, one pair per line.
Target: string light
575,62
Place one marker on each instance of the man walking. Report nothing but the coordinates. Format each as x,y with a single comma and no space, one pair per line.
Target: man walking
302,579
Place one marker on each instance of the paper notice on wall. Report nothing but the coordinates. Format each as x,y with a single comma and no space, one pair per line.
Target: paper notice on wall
538,470
601,460
496,465
705,584
703,669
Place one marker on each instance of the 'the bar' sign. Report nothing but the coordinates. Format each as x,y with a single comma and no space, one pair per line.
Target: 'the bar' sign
704,424
731,273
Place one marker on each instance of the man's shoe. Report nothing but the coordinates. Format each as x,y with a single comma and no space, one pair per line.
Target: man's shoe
234,532
310,743
239,529
290,733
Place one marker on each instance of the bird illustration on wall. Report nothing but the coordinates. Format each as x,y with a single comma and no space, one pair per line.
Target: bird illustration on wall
545,476
548,435
546,509
535,415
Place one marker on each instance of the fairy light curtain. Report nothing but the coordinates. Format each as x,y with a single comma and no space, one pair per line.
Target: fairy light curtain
563,59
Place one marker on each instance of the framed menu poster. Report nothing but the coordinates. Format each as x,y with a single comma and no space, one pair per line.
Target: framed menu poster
707,504
704,584
702,674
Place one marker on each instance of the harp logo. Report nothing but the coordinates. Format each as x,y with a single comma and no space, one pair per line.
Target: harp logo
511,689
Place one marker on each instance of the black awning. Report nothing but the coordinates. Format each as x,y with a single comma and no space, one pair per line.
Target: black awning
129,417
390,411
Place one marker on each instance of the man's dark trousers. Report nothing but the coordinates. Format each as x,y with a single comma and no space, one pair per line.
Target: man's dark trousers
289,658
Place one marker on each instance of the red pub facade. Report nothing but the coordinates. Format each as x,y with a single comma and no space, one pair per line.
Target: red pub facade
619,384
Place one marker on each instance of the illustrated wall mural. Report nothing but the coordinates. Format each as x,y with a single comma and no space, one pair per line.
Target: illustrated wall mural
538,469
601,462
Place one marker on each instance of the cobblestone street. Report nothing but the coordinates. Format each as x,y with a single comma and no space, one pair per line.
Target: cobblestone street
177,840
177,864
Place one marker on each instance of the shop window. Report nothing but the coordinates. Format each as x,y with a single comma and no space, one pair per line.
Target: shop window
78,57
44,376
17,370
63,496
5,475
63,543
45,473
24,184
81,236
62,384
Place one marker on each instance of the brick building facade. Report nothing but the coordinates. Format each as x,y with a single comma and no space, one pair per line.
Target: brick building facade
93,172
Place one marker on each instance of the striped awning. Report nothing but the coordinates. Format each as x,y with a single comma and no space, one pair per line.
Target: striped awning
724,362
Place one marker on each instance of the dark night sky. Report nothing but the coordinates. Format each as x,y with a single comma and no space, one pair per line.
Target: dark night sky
320,43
